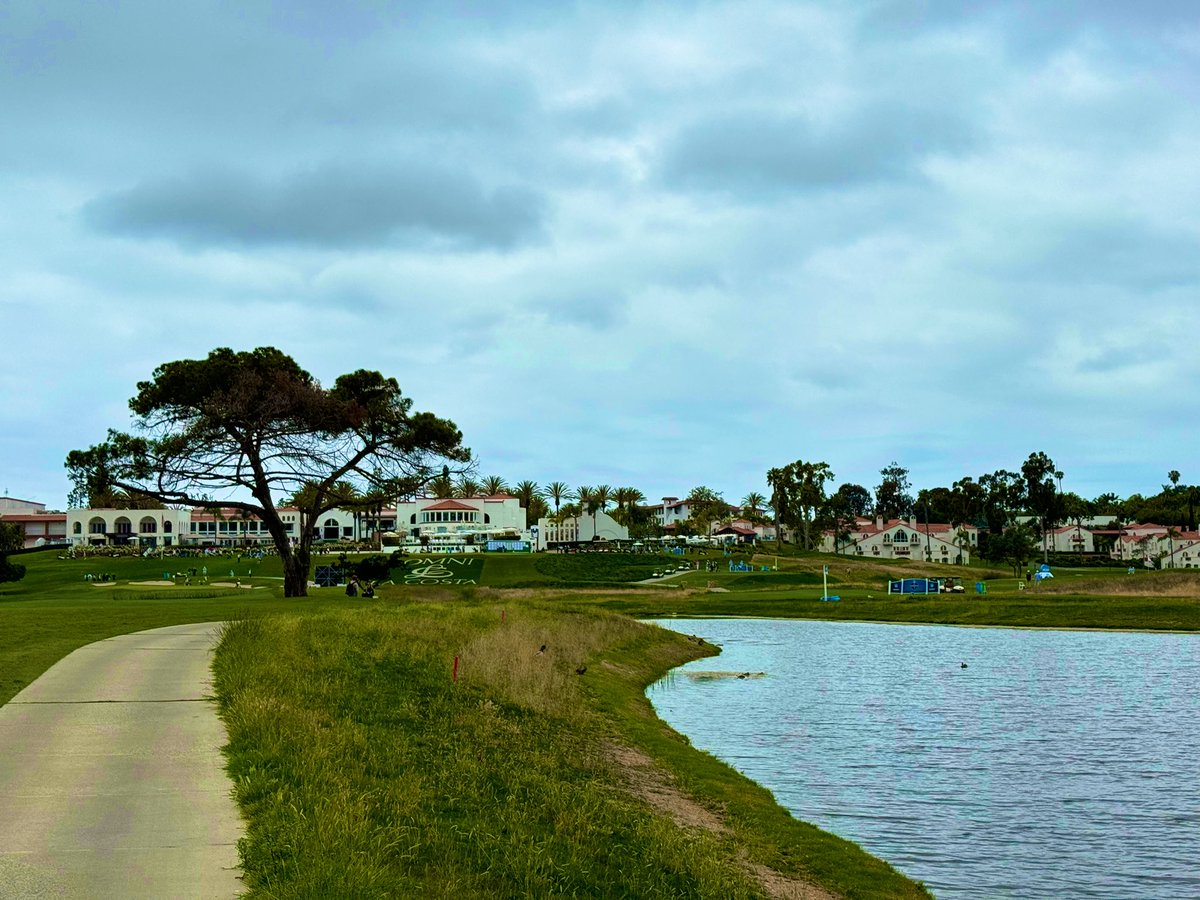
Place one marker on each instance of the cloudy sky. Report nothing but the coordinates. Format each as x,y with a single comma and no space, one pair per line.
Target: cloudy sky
659,244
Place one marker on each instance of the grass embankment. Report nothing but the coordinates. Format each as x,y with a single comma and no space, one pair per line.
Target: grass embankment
365,771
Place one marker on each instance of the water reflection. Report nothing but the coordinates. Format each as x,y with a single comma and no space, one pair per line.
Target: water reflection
1055,764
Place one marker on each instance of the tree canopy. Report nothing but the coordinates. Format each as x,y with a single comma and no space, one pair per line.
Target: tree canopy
10,571
892,497
245,430
12,537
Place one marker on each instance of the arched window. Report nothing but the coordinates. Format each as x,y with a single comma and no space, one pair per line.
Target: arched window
148,526
167,526
900,537
331,530
412,520
487,520
77,528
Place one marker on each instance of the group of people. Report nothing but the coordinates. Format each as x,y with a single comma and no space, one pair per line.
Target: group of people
354,587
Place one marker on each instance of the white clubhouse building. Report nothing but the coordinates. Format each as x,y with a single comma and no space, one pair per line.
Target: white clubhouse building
446,524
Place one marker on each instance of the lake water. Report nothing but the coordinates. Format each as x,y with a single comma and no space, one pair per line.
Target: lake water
1056,764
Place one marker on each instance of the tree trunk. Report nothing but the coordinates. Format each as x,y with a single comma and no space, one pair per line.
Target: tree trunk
295,574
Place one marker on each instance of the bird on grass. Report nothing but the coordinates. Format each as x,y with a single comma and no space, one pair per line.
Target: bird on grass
541,650
581,670
962,665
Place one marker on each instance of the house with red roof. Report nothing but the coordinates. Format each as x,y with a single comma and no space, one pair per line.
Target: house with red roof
904,539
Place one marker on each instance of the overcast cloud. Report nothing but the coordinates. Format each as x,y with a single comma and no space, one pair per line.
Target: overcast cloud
660,244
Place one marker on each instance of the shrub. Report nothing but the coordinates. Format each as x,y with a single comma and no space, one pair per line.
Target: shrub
10,571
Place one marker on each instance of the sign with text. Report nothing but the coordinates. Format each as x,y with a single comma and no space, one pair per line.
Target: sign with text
443,570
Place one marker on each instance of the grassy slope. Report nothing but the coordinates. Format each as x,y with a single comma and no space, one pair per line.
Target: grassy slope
372,774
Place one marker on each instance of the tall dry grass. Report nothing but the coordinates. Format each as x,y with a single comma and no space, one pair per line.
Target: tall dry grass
510,660
1142,584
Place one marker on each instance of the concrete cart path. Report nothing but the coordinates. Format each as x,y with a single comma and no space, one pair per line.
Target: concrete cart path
112,782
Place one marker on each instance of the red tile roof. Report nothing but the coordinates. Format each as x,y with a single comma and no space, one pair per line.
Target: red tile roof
449,504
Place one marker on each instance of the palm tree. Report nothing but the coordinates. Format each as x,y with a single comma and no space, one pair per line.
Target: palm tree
467,487
602,496
526,491
1171,535
586,498
493,485
753,502
557,492
626,498
537,509
442,487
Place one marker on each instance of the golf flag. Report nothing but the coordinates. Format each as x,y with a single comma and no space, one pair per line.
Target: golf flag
826,568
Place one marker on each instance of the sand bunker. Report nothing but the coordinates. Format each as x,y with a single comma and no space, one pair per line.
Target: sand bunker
158,583
231,584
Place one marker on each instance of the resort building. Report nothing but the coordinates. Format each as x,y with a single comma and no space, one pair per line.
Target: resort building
1180,550
904,539
1071,539
572,531
745,531
670,512
426,521
496,522
39,527
144,527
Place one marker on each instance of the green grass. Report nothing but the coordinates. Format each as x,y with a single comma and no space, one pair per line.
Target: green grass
365,771
1044,611
53,610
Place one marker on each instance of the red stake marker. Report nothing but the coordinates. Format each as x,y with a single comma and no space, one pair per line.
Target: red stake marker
454,677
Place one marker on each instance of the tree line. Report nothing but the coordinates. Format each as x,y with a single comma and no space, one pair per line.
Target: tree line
998,503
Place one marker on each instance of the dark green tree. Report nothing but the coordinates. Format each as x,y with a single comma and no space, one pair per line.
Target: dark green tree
705,507
1004,496
12,536
10,571
1108,504
253,427
854,499
800,488
967,502
1015,546
936,505
838,516
781,501
892,497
